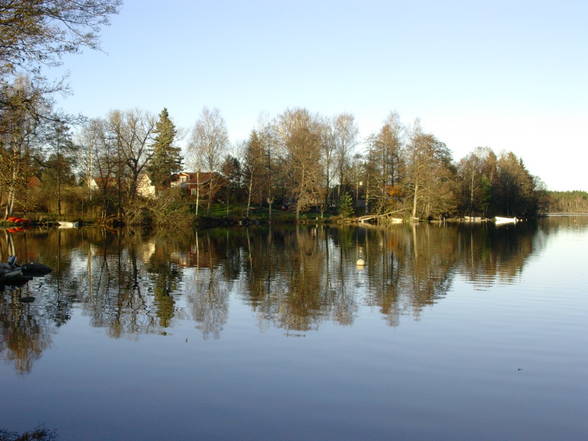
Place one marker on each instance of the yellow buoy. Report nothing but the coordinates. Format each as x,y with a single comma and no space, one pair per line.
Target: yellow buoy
360,262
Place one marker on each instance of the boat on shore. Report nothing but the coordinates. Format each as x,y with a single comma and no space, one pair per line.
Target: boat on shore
65,224
505,220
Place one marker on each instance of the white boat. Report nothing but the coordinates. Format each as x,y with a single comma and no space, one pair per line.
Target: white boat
505,220
64,224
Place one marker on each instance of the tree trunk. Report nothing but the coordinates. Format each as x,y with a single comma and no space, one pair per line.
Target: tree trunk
197,191
302,185
269,203
367,194
11,194
414,200
472,194
209,196
59,190
249,194
228,197
10,202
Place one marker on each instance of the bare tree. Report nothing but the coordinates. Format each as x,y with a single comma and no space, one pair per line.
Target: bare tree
300,134
42,31
344,132
272,173
254,167
329,157
429,175
207,147
133,131
99,160
19,132
476,174
385,161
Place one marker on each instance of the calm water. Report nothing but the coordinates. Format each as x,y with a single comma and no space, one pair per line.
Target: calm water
448,333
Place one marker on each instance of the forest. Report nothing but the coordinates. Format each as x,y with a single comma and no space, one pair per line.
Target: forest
568,201
124,168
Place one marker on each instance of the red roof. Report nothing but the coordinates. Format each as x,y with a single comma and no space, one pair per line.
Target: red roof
194,178
33,182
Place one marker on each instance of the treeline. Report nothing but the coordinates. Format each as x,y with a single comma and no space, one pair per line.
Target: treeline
313,161
120,167
299,161
568,202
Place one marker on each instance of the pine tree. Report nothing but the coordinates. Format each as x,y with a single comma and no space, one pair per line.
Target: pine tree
166,159
346,205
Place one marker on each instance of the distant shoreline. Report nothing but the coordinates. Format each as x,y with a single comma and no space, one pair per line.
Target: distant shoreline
564,214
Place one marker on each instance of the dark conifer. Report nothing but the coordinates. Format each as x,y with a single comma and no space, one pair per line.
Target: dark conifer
166,159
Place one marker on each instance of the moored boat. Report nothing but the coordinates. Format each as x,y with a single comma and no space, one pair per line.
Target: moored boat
65,224
505,220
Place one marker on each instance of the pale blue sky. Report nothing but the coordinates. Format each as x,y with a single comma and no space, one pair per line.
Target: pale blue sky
511,75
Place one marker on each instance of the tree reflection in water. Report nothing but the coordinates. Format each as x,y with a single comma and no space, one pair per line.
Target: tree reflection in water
134,282
25,329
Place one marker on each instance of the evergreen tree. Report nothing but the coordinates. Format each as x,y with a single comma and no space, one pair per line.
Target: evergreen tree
346,205
166,159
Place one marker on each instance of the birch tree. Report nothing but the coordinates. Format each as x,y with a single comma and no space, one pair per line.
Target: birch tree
345,139
207,148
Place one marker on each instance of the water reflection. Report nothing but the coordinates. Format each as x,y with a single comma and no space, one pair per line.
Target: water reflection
135,282
25,330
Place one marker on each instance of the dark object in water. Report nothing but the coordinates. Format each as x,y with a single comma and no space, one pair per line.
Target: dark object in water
35,269
13,274
16,280
27,299
8,273
38,434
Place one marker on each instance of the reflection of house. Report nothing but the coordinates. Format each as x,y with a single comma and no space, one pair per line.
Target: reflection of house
190,181
145,187
148,250
194,258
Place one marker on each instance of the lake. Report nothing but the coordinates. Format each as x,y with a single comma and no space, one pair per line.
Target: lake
452,332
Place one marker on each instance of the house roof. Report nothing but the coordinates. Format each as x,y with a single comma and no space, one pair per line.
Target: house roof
33,182
195,178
